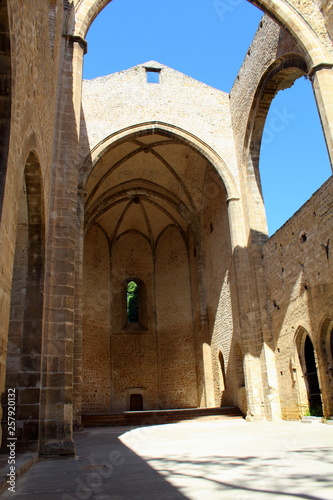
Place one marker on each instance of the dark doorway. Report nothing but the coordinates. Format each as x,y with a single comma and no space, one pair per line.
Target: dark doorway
312,379
136,402
221,377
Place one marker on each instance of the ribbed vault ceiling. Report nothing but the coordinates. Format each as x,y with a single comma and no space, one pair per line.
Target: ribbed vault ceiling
146,184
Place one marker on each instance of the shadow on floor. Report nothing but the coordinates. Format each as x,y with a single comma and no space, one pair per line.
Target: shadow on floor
104,469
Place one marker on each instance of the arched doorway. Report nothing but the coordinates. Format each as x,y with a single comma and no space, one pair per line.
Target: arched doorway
306,375
314,393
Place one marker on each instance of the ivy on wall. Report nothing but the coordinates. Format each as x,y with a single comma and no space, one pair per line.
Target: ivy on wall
132,302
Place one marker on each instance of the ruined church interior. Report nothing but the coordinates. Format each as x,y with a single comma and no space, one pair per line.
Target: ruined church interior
137,273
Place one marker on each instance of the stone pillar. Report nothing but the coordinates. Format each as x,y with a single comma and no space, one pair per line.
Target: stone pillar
80,48
56,407
259,359
322,81
251,341
77,381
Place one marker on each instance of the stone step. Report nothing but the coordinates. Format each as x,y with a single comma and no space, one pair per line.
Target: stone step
157,417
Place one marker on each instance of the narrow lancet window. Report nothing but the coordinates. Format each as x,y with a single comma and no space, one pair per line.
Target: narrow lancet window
132,302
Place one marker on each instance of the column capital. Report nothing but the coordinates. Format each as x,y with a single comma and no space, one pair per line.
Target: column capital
319,67
78,39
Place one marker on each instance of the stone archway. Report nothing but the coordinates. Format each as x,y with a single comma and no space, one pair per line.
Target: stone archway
317,59
311,40
311,374
279,10
25,327
167,130
280,75
306,374
151,214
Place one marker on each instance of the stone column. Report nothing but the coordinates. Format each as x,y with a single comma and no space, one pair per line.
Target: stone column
251,342
77,381
322,81
56,407
259,360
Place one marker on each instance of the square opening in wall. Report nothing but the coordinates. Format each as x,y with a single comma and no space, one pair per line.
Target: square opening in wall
153,75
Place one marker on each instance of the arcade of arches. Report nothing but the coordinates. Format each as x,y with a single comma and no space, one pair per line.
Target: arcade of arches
136,270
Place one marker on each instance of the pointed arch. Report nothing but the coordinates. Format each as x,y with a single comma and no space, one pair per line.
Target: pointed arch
279,10
25,327
167,130
279,75
305,367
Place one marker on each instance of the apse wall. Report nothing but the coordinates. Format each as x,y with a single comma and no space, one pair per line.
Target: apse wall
156,357
96,374
133,347
176,347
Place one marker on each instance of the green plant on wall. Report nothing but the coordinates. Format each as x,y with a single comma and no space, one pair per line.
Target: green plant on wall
132,302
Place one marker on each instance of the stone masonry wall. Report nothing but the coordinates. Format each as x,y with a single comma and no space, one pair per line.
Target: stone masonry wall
326,8
96,376
129,100
298,270
177,362
34,70
133,352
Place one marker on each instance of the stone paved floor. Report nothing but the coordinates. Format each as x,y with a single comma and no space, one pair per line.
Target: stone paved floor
197,460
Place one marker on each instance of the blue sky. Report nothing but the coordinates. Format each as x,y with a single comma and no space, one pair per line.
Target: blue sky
208,40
